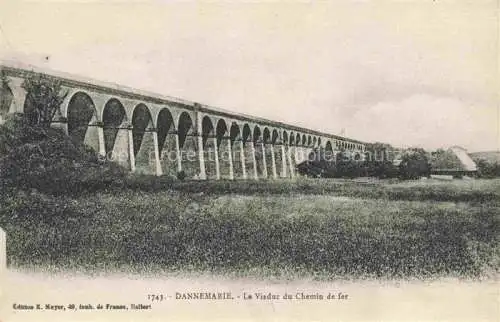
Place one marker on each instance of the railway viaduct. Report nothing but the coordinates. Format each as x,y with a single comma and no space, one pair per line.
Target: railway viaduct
154,134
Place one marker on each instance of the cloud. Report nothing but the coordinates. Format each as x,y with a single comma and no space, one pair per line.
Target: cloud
427,121
405,74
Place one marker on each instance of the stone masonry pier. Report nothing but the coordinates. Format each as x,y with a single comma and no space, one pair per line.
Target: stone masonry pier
154,134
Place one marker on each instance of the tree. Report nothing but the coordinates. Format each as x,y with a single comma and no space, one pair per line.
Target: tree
314,166
43,98
414,164
487,169
379,151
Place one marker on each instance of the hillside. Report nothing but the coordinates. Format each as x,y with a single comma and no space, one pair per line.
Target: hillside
490,156
45,159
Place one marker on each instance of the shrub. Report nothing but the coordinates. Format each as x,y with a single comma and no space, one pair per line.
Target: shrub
414,164
488,169
381,169
181,175
33,156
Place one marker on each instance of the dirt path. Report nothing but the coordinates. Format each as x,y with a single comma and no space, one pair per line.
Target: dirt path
445,300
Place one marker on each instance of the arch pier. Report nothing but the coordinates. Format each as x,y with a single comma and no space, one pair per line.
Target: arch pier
153,134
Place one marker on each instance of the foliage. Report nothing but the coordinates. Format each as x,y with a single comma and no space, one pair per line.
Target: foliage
344,238
181,175
378,151
5,96
445,160
43,99
381,169
488,169
345,166
35,157
414,164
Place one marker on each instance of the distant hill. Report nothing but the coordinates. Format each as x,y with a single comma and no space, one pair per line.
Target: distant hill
490,156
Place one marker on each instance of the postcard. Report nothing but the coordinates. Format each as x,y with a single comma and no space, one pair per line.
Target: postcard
249,161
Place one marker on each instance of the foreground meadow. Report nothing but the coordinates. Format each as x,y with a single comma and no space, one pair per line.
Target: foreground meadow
326,229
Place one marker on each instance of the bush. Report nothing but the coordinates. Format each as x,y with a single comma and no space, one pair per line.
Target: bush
47,160
348,169
414,164
381,169
488,169
181,175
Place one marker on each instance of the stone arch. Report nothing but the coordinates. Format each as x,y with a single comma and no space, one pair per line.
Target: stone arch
309,141
184,128
274,136
6,99
329,154
81,112
187,145
292,151
258,142
267,137
165,127
248,148
246,133
298,149
224,147
279,149
287,163
209,142
237,149
257,134
304,140
221,131
141,122
113,116
29,110
143,139
207,129
235,132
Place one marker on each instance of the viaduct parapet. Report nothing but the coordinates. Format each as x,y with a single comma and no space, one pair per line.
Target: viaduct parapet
154,134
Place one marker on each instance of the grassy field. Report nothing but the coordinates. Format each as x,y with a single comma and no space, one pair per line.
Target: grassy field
322,228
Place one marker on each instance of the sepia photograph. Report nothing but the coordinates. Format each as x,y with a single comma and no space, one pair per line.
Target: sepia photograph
249,160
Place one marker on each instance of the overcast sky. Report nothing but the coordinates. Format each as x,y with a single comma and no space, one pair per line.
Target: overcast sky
409,73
